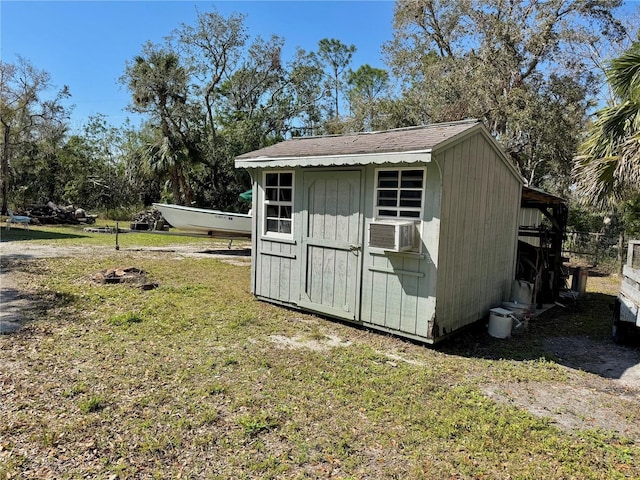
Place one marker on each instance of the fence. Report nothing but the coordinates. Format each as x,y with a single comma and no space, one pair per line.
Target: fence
596,248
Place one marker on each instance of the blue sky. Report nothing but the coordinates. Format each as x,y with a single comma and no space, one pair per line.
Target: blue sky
86,44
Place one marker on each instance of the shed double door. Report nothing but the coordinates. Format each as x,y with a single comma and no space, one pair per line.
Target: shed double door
331,243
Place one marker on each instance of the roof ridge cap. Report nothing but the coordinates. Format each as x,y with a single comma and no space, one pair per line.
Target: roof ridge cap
390,130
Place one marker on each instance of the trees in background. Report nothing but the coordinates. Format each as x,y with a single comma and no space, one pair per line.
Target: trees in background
210,51
608,166
33,130
607,169
211,92
159,86
306,78
368,87
335,56
512,64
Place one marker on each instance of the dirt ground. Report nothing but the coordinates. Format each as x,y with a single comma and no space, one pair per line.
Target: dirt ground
602,389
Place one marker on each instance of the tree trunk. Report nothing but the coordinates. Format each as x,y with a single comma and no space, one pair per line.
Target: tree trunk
4,169
620,253
337,88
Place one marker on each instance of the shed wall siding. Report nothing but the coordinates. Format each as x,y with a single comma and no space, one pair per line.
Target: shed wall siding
530,217
274,267
464,267
275,260
398,289
331,221
480,204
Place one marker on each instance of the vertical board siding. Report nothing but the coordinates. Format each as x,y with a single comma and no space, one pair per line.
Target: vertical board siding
490,245
275,261
408,314
254,228
274,272
331,225
393,301
378,302
394,295
398,289
448,219
530,217
482,182
480,201
315,278
471,150
431,226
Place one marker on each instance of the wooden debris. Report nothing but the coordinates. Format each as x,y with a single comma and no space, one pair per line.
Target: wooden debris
131,275
103,230
149,220
52,214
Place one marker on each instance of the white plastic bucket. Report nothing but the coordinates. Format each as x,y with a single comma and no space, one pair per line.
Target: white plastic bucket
501,322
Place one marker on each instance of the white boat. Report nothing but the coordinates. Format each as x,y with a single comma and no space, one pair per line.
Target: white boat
206,221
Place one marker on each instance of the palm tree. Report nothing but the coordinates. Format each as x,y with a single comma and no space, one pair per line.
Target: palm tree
607,168
159,87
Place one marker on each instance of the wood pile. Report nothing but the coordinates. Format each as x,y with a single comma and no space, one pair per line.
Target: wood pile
149,220
52,214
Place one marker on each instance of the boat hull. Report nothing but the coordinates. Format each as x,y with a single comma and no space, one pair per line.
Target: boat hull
202,220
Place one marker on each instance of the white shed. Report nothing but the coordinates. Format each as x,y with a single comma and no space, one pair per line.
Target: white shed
411,231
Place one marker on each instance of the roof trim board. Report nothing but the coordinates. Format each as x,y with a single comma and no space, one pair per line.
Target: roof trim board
359,159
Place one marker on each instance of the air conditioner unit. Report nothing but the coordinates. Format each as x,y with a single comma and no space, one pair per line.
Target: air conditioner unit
392,235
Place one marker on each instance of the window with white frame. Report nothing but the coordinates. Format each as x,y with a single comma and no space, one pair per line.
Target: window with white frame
278,202
399,193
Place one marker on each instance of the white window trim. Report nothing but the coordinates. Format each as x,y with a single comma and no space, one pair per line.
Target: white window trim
266,203
376,208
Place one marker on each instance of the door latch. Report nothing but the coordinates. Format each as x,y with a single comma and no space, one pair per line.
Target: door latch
354,247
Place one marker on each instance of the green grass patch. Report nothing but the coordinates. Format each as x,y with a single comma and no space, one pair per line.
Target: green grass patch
91,404
126,319
253,424
216,389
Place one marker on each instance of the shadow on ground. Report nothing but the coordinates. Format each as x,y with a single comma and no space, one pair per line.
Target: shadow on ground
19,234
577,336
241,252
20,308
19,263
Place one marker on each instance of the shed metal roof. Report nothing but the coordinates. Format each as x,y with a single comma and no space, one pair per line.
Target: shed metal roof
358,148
534,197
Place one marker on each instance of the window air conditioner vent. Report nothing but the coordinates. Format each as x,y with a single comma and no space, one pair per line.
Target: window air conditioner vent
392,235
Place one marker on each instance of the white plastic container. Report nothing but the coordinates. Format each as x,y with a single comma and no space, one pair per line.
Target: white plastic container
501,322
522,292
